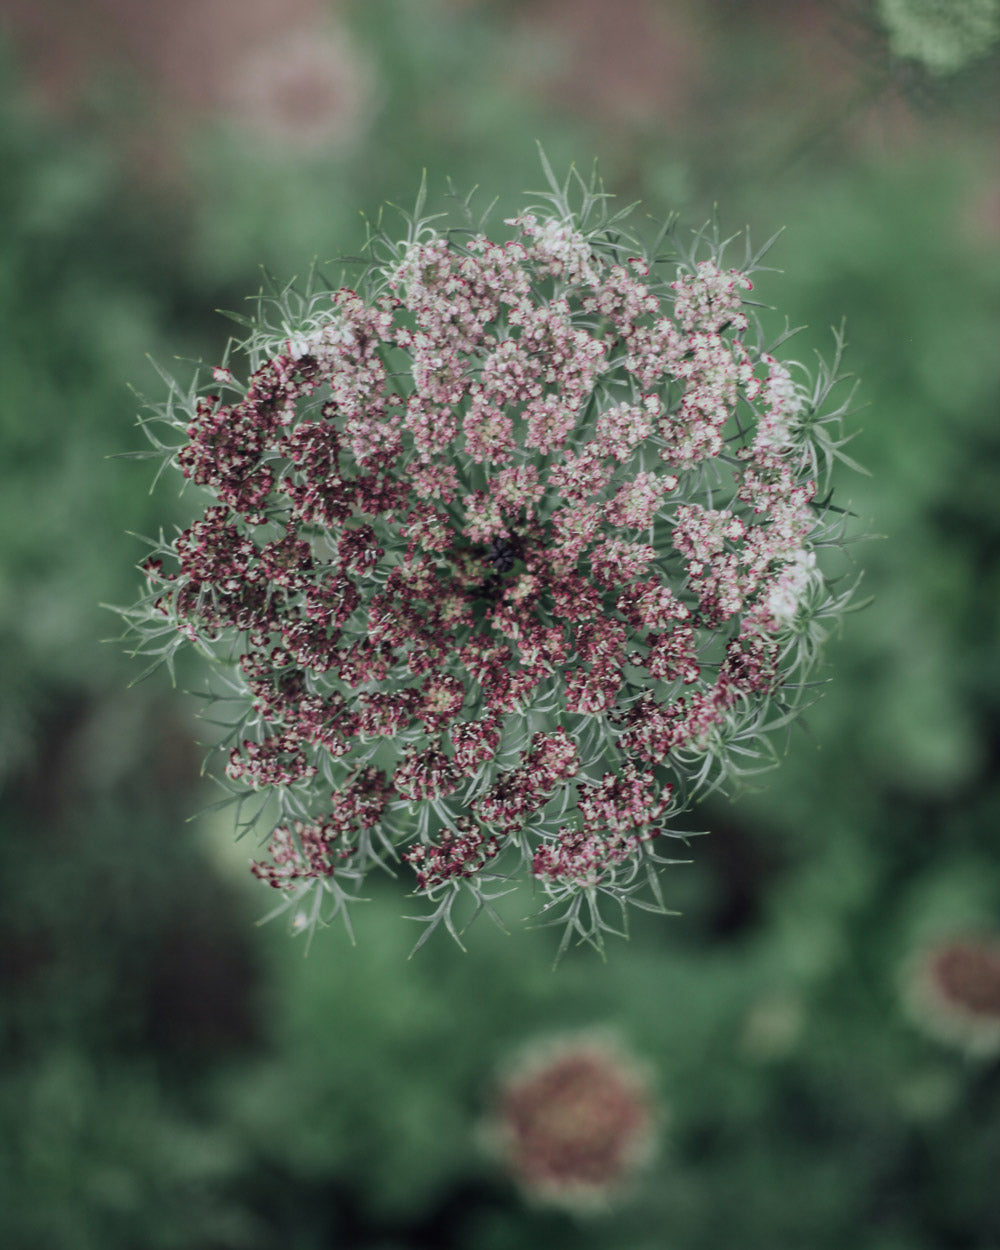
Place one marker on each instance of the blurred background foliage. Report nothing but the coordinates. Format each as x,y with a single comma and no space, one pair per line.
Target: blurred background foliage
174,1076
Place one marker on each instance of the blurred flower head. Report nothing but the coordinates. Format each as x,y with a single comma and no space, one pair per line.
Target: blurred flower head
288,73
943,35
574,1121
952,991
308,88
510,552
773,1026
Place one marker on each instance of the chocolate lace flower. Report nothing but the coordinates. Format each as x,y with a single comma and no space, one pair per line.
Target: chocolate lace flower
574,1120
510,553
951,990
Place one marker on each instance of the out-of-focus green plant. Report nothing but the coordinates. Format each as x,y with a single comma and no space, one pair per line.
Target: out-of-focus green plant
76,266
943,35
95,1154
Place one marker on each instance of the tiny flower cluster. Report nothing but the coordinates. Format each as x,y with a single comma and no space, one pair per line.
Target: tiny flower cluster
510,553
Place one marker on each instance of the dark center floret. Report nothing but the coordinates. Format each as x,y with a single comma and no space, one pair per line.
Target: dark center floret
502,553
500,556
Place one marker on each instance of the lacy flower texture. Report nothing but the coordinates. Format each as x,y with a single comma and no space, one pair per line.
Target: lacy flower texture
511,552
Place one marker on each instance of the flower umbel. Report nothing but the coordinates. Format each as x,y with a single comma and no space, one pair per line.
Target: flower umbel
512,551
574,1120
952,991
